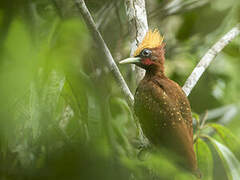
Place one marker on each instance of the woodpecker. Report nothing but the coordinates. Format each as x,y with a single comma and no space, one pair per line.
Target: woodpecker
161,105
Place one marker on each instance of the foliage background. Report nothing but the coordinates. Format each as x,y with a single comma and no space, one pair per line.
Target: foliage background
61,113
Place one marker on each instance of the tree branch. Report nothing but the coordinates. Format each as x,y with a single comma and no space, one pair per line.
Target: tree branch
103,47
176,7
208,57
138,26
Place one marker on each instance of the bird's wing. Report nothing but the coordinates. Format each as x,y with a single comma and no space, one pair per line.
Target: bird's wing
177,102
185,109
178,133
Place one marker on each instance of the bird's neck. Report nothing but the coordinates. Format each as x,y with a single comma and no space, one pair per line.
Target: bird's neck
155,70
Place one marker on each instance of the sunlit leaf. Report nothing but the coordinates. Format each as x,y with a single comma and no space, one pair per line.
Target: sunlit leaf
231,141
230,162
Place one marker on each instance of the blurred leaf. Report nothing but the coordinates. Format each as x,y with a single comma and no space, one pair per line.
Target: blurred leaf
196,117
227,137
156,166
122,121
94,117
160,164
230,162
33,109
52,91
204,158
123,104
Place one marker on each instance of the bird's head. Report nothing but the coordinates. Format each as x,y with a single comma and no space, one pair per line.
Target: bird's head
149,54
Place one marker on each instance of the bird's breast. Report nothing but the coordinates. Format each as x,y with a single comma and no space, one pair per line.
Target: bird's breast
151,113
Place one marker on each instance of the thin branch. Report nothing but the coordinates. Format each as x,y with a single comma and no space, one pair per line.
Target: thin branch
176,7
103,47
208,57
138,26
104,14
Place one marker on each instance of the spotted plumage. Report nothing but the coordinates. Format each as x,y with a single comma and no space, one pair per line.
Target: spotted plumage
161,105
173,116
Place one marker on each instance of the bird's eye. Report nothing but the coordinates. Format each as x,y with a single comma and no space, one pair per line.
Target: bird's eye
146,53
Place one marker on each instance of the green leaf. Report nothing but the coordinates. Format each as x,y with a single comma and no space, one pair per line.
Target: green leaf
230,162
204,158
196,117
94,117
156,166
52,91
124,107
33,120
231,141
159,164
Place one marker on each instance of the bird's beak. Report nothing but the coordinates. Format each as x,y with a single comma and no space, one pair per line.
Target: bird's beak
131,60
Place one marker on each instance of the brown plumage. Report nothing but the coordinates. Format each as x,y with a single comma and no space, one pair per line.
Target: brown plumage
161,105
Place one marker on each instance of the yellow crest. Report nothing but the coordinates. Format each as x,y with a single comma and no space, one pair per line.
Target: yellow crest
151,40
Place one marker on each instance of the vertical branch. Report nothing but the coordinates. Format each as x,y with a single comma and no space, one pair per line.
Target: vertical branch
138,26
208,57
103,47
